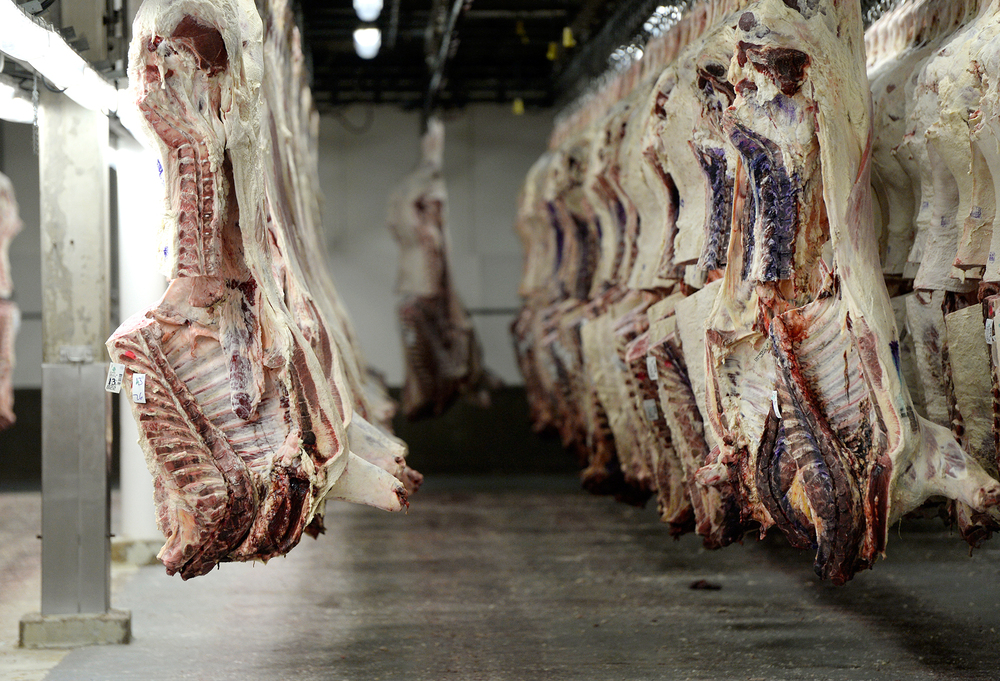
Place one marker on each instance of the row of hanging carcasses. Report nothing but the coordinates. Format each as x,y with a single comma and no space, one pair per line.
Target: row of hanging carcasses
750,296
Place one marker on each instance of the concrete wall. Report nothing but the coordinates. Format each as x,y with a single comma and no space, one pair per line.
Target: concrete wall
488,151
19,163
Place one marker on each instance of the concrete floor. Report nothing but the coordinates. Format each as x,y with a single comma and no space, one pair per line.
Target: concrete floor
531,579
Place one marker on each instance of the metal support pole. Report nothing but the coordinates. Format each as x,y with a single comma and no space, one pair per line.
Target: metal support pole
76,549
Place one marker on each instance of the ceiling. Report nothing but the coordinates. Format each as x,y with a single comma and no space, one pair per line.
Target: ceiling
501,49
495,50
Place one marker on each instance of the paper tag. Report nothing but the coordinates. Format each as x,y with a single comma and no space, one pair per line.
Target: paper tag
762,352
774,403
651,370
650,406
139,388
989,332
116,372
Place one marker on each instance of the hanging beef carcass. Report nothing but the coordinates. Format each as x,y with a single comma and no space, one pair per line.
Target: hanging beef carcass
442,354
945,92
581,302
678,355
237,418
10,314
10,226
899,44
539,243
548,291
296,247
615,315
957,219
815,424
986,137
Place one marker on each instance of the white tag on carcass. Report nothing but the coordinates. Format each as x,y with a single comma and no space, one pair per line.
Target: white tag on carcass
774,402
651,370
116,373
762,352
139,388
989,332
650,406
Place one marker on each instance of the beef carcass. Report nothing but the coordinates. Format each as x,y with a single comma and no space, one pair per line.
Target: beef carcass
442,353
10,321
613,213
10,314
986,138
948,88
537,288
291,185
960,90
696,171
779,229
669,481
606,373
238,420
561,351
933,124
836,453
718,162
638,178
915,30
10,226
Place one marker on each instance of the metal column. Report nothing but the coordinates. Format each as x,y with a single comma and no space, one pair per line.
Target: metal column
76,555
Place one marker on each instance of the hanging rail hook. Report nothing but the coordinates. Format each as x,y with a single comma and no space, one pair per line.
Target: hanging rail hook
441,58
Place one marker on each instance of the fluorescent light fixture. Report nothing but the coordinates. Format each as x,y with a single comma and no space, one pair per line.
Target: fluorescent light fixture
368,10
27,40
14,108
367,42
